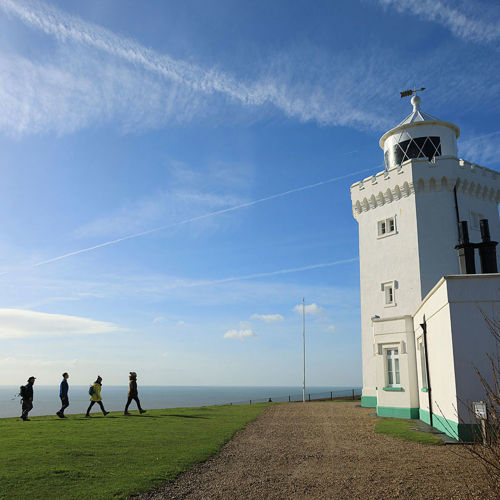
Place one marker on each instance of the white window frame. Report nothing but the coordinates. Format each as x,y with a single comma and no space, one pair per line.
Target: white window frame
389,289
391,355
384,227
423,366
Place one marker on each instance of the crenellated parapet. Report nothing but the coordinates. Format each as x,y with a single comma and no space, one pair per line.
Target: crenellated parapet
419,175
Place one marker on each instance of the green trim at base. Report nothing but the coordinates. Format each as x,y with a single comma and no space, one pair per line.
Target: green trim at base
463,432
391,411
425,389
393,389
369,401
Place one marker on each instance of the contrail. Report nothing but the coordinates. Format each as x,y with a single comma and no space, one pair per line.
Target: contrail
271,273
197,218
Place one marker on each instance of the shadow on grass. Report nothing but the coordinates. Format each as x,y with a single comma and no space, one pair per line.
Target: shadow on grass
187,416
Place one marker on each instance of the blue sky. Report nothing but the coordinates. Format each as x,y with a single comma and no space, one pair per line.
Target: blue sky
175,176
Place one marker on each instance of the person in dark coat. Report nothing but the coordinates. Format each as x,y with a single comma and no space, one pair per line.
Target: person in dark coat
63,394
27,398
95,397
133,394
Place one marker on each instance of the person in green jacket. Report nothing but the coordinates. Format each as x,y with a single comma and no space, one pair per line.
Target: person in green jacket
95,396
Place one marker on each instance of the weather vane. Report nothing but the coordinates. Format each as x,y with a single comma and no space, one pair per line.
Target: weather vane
411,92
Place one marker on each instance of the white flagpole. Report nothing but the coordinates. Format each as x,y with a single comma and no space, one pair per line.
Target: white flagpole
304,349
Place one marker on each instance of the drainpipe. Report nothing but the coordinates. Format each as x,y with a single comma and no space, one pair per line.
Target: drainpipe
456,210
424,329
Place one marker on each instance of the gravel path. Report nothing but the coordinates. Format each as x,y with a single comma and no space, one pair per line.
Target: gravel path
325,450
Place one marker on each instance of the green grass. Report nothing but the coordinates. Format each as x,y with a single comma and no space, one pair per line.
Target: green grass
113,456
401,428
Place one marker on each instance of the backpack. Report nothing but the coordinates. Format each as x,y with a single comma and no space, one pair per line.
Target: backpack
22,391
91,390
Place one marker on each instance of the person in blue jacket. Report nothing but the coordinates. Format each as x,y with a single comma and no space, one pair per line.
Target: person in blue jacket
63,394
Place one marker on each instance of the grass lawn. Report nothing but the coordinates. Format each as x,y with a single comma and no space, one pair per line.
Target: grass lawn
401,428
113,456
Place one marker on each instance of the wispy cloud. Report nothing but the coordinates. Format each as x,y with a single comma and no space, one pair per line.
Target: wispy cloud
11,362
268,318
313,309
482,149
18,323
143,289
73,89
189,192
272,273
94,76
136,82
472,24
240,334
206,216
330,328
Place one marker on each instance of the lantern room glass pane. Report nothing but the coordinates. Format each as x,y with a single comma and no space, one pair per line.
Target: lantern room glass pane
419,147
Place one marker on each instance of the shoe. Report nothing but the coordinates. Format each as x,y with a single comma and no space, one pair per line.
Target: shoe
142,411
59,414
105,413
87,416
126,413
26,419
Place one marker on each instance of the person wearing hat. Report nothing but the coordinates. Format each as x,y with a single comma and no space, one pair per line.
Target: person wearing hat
27,398
63,394
95,396
133,394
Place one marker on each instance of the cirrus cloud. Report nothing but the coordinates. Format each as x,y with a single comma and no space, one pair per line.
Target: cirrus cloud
470,22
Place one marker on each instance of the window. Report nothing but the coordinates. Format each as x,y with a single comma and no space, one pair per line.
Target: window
388,289
419,147
389,294
423,366
386,226
392,357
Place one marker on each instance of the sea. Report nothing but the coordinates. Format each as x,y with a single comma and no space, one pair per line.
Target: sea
46,398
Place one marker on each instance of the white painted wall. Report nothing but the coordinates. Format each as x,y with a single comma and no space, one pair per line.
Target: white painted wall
458,339
436,216
436,310
386,259
419,194
472,340
390,333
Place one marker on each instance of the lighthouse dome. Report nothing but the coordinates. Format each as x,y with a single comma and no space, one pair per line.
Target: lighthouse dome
419,135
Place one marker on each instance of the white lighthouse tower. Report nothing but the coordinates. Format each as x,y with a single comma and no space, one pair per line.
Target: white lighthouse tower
408,218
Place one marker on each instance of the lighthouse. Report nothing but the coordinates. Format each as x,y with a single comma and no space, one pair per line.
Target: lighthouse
417,219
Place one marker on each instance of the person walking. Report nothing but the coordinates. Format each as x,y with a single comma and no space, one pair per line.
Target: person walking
63,394
95,396
133,394
26,394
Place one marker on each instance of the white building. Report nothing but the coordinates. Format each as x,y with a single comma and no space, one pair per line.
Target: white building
410,274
